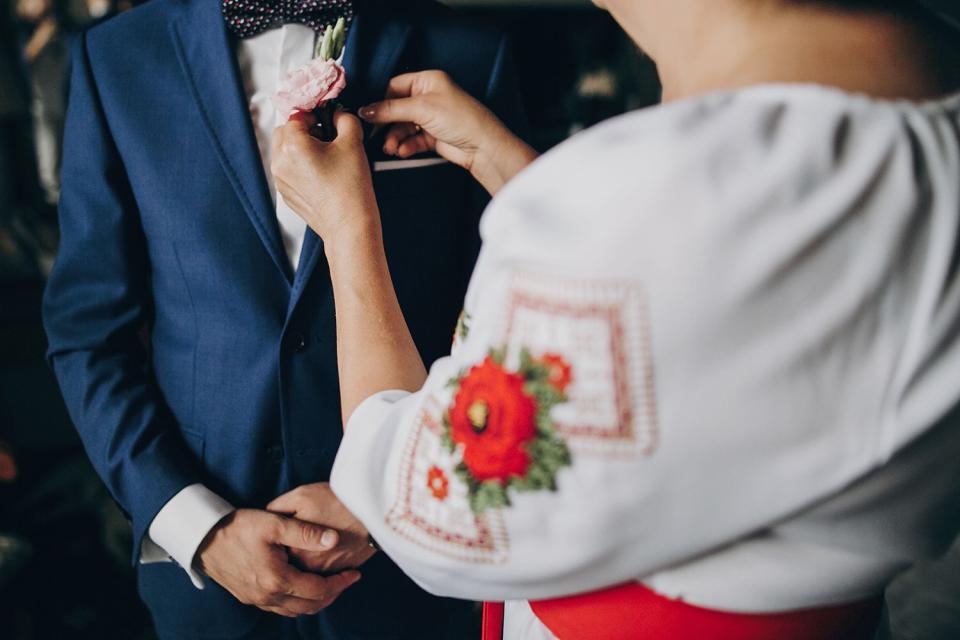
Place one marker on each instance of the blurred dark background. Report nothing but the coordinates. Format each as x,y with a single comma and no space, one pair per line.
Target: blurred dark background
64,546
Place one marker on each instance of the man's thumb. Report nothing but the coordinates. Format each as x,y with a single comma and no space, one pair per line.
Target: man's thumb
307,536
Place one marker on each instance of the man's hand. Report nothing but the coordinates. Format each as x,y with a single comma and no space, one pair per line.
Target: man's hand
316,503
247,554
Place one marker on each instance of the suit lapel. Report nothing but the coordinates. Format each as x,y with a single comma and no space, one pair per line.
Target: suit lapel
372,52
207,56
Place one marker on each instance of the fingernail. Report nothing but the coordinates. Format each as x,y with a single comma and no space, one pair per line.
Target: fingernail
368,111
329,538
355,577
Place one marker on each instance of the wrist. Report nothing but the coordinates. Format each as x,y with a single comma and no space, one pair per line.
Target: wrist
206,550
352,241
499,158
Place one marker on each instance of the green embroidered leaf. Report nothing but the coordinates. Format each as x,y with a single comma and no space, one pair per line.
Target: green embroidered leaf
545,394
538,478
464,474
534,372
489,495
527,364
551,452
455,381
445,437
463,325
544,424
548,452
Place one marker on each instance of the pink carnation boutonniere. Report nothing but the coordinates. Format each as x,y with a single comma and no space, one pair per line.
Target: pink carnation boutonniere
315,86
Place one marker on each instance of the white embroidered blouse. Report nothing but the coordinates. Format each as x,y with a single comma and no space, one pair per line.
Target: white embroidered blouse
711,346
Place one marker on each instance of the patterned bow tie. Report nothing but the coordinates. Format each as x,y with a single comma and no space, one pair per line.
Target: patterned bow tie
247,18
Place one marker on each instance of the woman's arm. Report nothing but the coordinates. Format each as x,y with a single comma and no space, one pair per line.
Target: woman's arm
374,346
375,351
329,185
614,401
429,112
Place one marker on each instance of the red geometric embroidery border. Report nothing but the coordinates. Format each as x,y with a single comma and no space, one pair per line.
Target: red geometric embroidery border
612,313
489,547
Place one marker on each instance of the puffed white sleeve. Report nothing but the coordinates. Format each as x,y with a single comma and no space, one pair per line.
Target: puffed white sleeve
666,350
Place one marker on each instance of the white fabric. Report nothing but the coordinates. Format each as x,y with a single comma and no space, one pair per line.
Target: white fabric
264,61
418,163
521,623
181,525
768,276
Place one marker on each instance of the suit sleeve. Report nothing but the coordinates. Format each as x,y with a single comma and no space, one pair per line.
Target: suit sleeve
96,306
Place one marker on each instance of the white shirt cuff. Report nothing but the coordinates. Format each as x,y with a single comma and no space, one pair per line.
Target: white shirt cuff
180,527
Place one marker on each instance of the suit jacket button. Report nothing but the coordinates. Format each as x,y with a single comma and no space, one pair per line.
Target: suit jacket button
298,342
275,454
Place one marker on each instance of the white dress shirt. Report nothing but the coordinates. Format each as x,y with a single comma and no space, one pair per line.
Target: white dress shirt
757,294
265,59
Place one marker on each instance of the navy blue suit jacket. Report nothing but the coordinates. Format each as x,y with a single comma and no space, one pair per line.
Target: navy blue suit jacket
186,348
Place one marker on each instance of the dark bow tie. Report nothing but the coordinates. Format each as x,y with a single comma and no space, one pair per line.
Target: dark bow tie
247,18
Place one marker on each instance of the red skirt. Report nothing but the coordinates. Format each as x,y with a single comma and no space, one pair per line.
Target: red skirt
635,612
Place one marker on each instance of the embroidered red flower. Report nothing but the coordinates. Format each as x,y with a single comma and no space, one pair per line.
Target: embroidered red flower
437,483
493,418
559,371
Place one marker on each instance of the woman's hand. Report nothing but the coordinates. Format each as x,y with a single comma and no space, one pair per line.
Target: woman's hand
328,184
316,503
429,112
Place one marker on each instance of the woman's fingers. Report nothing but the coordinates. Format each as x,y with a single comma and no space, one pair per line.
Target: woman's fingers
402,86
405,140
348,127
414,145
288,138
328,184
406,85
397,134
299,125
415,109
302,120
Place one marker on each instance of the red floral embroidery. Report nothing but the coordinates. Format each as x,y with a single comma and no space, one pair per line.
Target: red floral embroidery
500,422
493,419
559,371
437,483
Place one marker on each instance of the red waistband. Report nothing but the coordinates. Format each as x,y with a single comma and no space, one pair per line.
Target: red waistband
635,612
